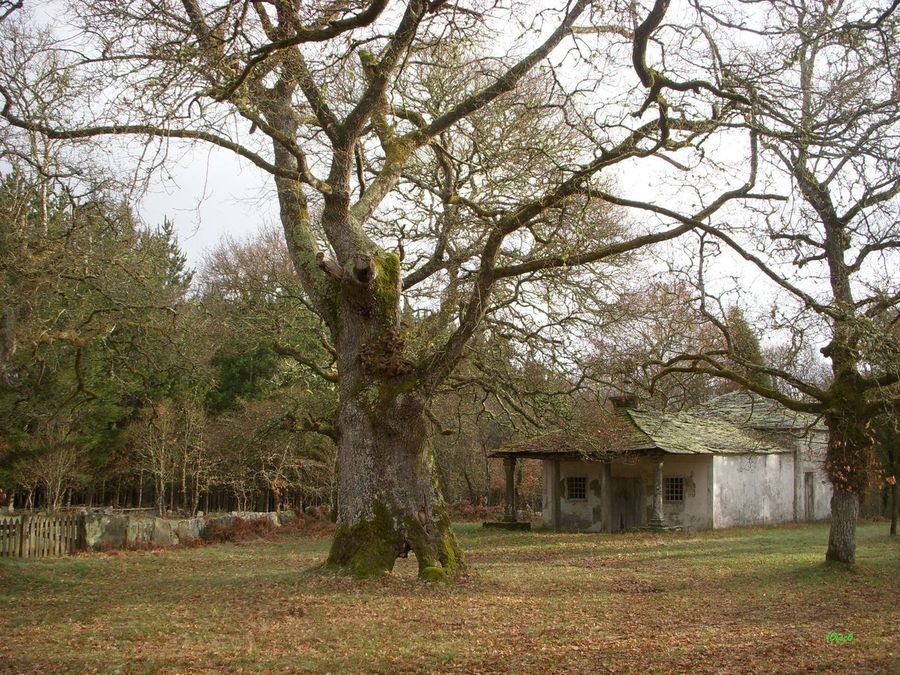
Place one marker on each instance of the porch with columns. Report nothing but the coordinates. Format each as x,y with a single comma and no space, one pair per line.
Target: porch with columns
510,520
554,489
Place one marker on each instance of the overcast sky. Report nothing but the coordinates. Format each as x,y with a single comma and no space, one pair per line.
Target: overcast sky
210,193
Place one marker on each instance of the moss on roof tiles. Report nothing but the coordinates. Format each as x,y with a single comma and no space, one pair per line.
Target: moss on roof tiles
618,435
555,443
747,409
735,423
685,433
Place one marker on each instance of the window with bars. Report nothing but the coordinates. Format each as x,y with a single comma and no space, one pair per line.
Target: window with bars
673,489
576,487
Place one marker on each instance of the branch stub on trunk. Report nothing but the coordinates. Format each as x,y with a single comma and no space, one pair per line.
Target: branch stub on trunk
329,266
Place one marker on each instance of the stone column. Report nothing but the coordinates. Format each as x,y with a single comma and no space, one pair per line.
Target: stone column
657,519
606,497
509,463
554,493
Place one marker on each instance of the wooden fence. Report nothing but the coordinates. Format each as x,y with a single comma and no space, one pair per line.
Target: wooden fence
40,536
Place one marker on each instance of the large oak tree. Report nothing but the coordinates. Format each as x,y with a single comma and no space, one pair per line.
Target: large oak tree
440,153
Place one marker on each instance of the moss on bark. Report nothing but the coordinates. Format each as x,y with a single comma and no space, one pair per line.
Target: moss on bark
434,544
387,288
388,440
368,548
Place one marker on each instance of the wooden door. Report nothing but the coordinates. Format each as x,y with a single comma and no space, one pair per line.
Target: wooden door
809,504
627,497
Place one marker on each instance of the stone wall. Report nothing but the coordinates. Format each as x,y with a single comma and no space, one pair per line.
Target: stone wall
107,529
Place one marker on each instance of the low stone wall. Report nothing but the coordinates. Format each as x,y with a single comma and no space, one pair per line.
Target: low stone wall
116,530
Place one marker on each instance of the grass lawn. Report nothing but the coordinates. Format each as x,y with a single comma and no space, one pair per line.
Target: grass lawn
743,600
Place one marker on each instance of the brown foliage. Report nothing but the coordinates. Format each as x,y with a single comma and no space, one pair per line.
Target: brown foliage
314,527
238,530
466,512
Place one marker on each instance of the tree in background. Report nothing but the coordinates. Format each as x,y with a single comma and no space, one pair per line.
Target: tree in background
656,322
89,300
157,444
266,451
745,347
887,438
271,391
823,81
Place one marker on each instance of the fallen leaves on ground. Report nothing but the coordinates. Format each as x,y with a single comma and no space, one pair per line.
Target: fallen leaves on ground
748,600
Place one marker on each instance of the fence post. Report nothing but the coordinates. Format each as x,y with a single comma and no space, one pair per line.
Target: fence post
81,537
23,526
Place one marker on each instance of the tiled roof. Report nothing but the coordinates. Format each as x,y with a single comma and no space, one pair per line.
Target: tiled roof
734,423
550,444
747,409
619,436
685,433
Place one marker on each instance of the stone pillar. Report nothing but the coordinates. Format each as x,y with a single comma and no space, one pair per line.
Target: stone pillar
554,493
509,463
657,519
798,482
606,497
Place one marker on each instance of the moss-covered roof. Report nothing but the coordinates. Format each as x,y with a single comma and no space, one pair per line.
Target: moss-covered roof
734,423
557,444
618,436
685,433
747,409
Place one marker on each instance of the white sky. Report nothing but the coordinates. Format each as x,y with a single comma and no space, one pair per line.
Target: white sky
208,194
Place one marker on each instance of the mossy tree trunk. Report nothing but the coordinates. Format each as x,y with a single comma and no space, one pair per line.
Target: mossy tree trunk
389,499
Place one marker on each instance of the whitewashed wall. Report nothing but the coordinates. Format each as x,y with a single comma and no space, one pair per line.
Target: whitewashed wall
720,491
581,515
585,515
753,488
696,510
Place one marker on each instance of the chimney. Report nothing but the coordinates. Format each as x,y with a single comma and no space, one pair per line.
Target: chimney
623,401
